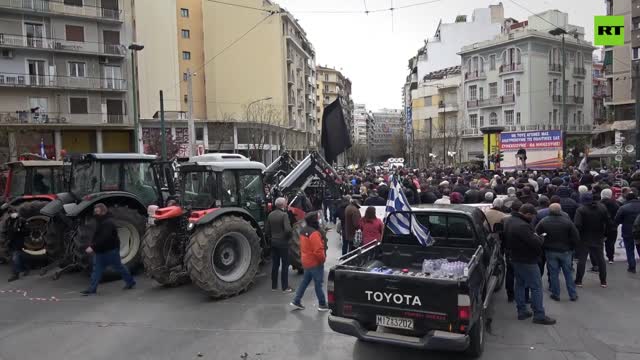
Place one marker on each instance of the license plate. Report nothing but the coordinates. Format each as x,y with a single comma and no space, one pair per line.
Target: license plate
394,322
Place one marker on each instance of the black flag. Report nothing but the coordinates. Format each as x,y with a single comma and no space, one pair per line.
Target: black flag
335,133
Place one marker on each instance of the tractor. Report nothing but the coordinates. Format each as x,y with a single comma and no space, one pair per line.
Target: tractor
125,183
213,234
30,185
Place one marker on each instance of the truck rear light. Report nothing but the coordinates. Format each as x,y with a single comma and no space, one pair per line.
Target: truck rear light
464,312
331,298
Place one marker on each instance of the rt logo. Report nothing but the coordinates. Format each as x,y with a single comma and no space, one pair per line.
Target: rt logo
609,30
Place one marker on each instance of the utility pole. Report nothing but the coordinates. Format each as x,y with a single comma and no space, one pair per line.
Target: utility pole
163,134
136,117
565,113
444,138
430,141
191,125
637,109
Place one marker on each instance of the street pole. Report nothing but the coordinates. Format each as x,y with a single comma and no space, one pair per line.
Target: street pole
191,127
163,134
430,140
136,135
637,110
565,114
444,138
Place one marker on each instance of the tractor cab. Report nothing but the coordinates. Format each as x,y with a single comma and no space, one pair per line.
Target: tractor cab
34,178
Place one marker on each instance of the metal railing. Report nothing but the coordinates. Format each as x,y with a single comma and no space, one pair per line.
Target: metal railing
510,68
61,82
59,7
28,42
570,99
579,71
28,117
495,101
555,68
472,75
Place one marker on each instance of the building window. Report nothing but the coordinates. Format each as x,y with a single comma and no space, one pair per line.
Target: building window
493,90
508,117
186,34
508,87
481,120
73,2
199,134
555,116
580,117
550,88
493,119
635,22
78,105
481,93
511,56
635,53
473,92
518,118
185,76
428,101
473,121
574,118
555,87
517,88
549,118
326,77
580,89
186,55
554,56
492,62
184,12
326,88
76,69
579,60
74,33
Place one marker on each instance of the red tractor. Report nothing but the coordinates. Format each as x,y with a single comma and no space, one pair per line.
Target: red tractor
30,185
213,234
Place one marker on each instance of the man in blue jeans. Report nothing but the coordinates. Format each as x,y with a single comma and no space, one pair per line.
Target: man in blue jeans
526,250
105,248
312,253
559,242
626,215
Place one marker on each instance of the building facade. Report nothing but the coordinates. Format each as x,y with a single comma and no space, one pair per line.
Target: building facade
240,101
65,78
330,84
618,72
515,81
359,127
385,134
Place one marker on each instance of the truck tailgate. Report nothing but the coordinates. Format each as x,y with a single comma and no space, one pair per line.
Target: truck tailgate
432,303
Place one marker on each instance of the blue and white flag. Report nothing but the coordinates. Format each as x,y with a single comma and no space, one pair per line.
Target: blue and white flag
404,224
43,153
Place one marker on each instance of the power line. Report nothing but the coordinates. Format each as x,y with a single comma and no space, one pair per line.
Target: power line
241,6
366,11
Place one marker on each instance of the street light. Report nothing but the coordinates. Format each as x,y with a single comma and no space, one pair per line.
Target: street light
254,102
134,49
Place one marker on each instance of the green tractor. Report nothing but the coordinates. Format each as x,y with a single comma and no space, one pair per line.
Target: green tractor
125,183
212,235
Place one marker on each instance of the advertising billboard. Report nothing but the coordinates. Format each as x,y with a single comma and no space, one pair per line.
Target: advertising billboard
538,150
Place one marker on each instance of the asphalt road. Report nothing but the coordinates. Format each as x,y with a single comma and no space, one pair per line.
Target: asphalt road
45,319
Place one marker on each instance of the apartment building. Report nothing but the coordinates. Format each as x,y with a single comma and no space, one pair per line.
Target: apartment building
330,84
359,127
618,64
515,80
64,76
385,134
254,96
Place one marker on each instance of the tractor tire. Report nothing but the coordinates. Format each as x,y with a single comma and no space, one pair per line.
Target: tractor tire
37,224
294,247
223,256
4,242
54,240
131,227
159,254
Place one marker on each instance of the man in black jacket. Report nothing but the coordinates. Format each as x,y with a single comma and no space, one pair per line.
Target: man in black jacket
105,248
15,232
566,202
593,222
278,229
526,249
606,199
560,241
626,215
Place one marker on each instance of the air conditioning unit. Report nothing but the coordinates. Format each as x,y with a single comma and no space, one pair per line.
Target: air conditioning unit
7,54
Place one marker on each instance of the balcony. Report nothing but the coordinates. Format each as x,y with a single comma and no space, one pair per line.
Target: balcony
579,72
557,99
471,132
62,82
510,68
555,68
580,129
447,107
475,75
42,7
578,99
57,118
491,102
61,45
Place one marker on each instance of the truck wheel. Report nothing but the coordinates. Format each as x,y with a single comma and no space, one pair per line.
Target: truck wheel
294,247
161,252
223,256
476,335
36,223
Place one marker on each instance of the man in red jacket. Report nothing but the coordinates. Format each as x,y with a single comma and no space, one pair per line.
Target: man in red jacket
313,257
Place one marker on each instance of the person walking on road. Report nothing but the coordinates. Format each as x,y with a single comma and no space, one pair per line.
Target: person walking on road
278,229
16,231
626,215
606,199
351,225
105,248
371,226
593,222
313,256
560,241
526,249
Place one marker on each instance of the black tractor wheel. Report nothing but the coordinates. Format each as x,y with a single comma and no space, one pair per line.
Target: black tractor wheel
131,227
223,256
162,252
54,240
37,224
4,242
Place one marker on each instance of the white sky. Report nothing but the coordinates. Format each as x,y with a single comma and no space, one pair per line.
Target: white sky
375,57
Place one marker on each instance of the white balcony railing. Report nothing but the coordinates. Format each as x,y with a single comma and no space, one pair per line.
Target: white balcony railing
59,7
57,118
61,82
28,42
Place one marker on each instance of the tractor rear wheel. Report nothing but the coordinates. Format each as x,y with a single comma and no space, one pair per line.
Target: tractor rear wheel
4,242
37,225
162,252
223,256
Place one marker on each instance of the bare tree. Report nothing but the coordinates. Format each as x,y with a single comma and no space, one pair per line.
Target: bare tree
152,145
357,154
222,131
262,118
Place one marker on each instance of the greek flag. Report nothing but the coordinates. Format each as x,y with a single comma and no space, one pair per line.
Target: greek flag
43,153
404,224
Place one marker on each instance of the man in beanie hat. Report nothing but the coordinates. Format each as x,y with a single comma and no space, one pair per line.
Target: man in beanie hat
593,223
